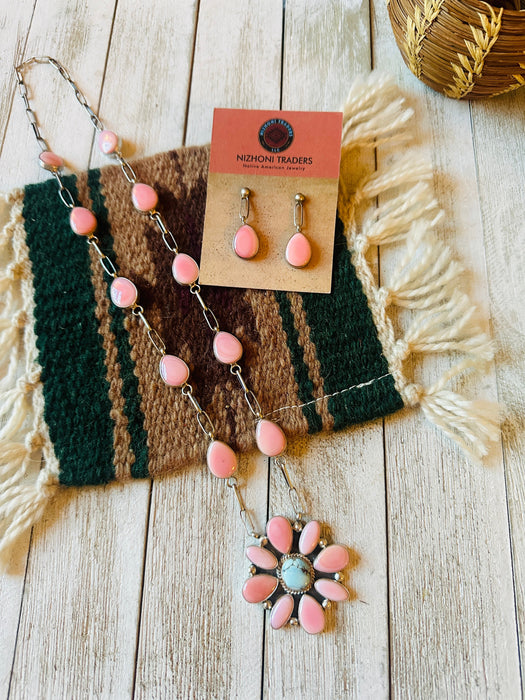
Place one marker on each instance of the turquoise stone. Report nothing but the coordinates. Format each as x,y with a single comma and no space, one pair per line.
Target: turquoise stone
296,573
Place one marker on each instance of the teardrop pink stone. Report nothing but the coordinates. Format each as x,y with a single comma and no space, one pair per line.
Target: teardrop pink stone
173,370
185,270
280,533
50,161
221,459
331,589
82,221
270,438
281,611
261,557
309,537
123,292
311,615
259,588
246,242
298,250
107,142
144,197
332,559
227,348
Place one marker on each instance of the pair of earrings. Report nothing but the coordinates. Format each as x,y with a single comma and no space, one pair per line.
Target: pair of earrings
246,241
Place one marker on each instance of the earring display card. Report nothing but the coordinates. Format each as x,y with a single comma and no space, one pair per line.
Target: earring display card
276,155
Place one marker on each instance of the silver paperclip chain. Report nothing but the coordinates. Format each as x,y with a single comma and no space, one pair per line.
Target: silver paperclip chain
168,238
292,491
245,515
203,418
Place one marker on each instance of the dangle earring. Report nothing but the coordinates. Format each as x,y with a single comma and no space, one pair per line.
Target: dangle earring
298,251
245,241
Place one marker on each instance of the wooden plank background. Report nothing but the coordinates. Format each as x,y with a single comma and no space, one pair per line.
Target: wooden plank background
113,595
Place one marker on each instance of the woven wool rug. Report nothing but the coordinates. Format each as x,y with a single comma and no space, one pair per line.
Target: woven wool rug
79,378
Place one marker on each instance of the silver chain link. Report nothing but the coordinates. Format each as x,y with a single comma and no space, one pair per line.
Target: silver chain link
168,238
249,396
63,192
155,339
293,495
106,262
246,518
203,418
209,316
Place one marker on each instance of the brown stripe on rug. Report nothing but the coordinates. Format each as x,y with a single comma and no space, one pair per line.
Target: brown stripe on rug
123,455
310,359
164,408
273,377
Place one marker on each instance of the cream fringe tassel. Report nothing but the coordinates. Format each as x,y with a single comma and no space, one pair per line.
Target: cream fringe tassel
25,488
426,279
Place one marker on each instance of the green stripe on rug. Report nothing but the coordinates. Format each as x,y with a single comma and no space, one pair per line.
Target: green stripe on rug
348,348
304,383
130,382
69,344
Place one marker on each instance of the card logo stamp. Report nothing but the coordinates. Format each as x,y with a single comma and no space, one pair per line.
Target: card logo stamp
276,135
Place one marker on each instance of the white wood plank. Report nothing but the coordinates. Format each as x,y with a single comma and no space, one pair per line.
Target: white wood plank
237,61
76,33
451,589
147,76
452,611
208,641
82,593
11,595
14,29
79,619
500,159
13,33
326,46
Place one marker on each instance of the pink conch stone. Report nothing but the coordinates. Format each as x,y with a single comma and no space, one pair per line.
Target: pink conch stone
311,615
123,292
173,370
261,557
270,438
107,142
246,242
227,348
221,459
298,250
280,533
309,537
259,588
332,559
50,161
185,270
144,197
331,589
82,221
281,611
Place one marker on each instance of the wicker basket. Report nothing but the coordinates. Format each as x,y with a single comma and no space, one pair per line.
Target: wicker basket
465,50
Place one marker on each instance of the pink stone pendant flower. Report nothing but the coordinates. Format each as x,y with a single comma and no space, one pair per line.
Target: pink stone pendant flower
295,574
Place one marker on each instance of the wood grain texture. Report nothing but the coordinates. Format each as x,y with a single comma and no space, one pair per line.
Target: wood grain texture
451,588
80,613
341,476
86,549
208,641
136,593
147,76
499,146
14,29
